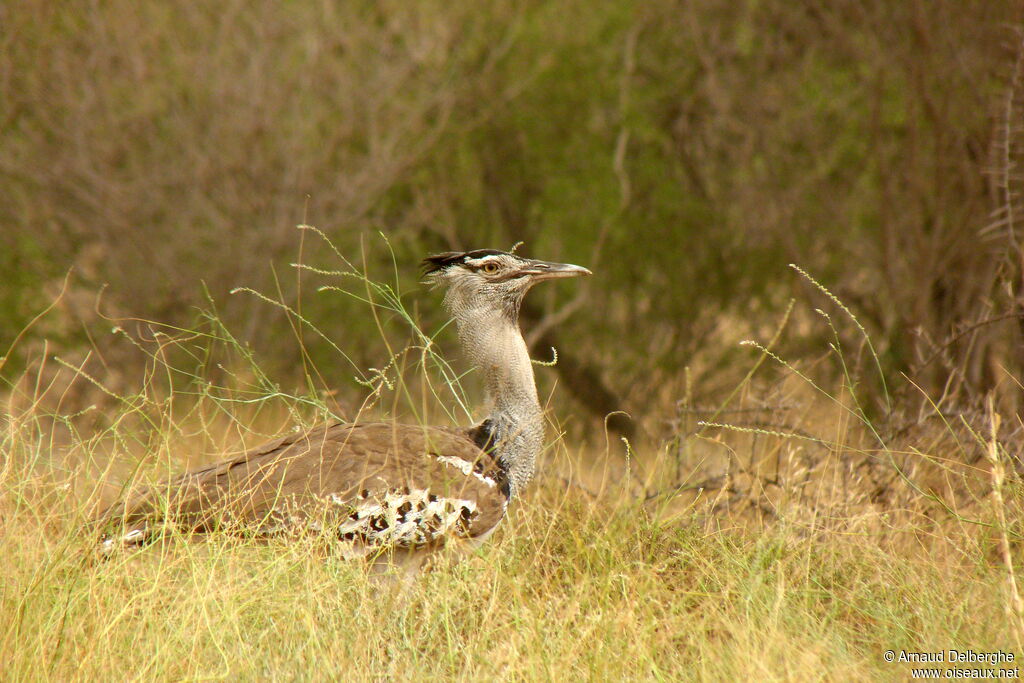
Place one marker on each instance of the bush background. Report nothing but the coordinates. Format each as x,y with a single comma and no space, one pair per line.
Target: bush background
686,152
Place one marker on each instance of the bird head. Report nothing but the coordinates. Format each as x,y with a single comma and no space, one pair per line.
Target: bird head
489,278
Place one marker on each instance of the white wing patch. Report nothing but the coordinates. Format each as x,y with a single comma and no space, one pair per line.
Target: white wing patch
466,467
406,517
395,517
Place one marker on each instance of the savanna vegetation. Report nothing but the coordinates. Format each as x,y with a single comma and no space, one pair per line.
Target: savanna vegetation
785,413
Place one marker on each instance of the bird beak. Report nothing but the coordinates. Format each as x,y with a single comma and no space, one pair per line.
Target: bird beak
547,270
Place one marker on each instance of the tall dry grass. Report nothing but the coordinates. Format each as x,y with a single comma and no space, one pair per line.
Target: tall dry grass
785,534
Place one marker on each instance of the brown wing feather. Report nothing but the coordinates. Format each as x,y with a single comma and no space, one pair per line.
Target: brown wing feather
377,483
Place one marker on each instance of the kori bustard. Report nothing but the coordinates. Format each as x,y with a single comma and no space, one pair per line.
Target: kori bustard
383,486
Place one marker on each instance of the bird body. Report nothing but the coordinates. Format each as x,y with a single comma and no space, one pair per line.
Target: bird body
374,484
383,486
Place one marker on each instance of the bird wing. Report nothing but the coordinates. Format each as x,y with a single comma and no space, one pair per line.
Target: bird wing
373,484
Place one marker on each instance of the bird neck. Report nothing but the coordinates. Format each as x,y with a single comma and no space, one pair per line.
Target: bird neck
492,341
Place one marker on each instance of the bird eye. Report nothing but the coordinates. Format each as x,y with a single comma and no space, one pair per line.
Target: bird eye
490,268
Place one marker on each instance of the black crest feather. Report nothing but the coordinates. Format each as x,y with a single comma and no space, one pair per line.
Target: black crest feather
438,262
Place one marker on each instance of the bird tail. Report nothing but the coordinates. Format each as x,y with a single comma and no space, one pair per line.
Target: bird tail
133,536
